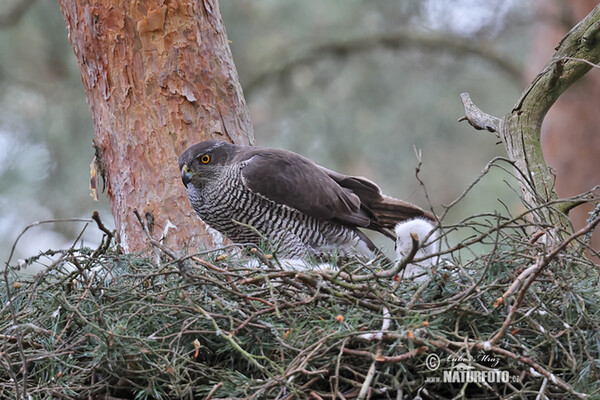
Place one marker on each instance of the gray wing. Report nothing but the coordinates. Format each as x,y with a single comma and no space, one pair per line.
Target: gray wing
288,178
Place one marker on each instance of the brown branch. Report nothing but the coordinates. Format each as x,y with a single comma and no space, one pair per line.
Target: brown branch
431,41
315,395
96,218
103,247
516,284
153,241
214,390
386,359
383,274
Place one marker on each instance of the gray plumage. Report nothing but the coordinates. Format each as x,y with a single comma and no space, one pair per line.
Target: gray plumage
298,206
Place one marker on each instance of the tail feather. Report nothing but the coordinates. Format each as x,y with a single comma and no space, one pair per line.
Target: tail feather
389,211
383,211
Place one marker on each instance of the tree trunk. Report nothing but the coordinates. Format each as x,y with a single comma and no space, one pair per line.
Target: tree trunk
158,77
571,130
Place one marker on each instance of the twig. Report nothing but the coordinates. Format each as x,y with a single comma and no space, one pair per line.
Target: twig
336,376
385,326
390,273
208,265
387,359
580,60
214,390
418,293
315,395
516,284
96,218
153,241
37,223
364,389
540,265
477,118
110,235
540,395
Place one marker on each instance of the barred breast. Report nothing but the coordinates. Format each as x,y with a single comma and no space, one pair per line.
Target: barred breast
228,206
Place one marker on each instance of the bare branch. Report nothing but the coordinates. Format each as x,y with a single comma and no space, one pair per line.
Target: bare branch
520,129
591,64
477,118
392,41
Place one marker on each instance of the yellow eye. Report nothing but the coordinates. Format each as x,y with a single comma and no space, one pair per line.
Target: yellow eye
205,159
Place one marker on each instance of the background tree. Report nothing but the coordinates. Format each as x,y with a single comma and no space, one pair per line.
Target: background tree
570,134
158,77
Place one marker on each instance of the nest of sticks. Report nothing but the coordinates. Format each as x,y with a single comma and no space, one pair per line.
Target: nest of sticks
518,320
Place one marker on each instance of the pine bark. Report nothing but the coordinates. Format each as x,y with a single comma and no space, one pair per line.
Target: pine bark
158,77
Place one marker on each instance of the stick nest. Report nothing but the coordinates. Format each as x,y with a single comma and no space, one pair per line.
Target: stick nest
522,313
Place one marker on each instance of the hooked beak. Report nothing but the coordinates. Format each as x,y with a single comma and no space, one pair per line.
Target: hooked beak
186,177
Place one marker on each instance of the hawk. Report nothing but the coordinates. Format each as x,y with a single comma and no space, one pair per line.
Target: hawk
254,195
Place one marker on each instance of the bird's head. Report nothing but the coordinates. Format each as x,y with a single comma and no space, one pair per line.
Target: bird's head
204,161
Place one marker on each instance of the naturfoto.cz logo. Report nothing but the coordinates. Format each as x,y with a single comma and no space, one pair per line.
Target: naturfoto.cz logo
461,372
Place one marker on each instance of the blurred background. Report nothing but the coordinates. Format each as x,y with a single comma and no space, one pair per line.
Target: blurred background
358,86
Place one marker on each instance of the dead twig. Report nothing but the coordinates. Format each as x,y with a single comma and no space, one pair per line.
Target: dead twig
477,118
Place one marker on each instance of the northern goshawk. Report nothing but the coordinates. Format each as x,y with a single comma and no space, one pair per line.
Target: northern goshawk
250,194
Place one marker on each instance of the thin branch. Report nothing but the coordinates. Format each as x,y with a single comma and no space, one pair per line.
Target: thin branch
591,64
532,275
153,241
366,386
390,273
101,226
387,359
214,390
37,223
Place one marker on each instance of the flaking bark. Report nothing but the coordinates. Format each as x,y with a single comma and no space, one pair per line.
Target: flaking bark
158,77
